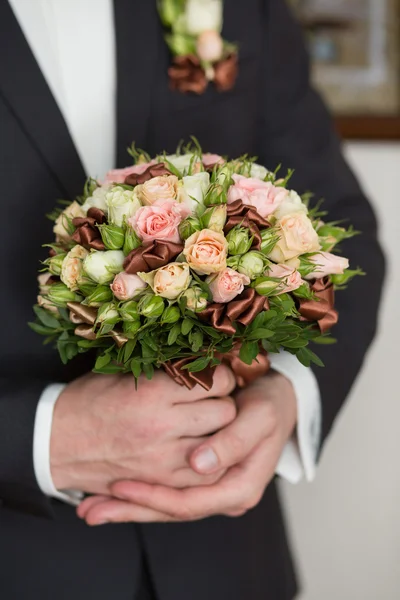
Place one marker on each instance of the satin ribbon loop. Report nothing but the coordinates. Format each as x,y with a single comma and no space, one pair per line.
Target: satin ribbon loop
150,256
320,310
187,75
87,233
245,216
151,171
243,309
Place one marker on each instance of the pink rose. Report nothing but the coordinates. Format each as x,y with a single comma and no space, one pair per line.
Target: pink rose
225,286
209,46
210,160
327,264
125,286
159,221
291,279
206,251
118,175
263,195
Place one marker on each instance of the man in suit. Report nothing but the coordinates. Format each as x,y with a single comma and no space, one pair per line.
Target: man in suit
57,120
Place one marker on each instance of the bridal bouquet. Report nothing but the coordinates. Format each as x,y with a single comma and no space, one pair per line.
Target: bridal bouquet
185,261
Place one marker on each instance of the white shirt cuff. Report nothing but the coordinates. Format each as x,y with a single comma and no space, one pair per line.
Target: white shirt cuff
41,446
299,457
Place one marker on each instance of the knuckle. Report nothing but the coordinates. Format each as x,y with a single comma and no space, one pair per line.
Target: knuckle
237,444
184,513
271,418
228,410
224,380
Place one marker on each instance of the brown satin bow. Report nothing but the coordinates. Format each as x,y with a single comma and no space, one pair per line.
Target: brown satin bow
243,309
187,75
150,256
85,317
244,374
245,216
320,310
86,233
151,171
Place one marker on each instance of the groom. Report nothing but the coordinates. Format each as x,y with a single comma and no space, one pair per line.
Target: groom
79,80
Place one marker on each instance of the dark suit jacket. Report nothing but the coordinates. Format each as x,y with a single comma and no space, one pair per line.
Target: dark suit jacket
272,112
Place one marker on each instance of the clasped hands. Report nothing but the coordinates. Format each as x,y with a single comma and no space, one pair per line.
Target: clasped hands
163,453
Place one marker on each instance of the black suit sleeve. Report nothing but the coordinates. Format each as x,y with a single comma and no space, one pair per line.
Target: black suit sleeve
297,131
18,486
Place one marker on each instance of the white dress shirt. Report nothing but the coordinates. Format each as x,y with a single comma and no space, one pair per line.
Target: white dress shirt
74,46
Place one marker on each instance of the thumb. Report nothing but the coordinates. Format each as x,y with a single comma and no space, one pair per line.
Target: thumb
234,443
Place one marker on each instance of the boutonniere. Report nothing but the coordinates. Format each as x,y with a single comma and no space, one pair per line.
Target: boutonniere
200,55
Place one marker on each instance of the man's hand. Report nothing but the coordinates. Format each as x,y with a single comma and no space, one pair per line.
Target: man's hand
250,448
104,430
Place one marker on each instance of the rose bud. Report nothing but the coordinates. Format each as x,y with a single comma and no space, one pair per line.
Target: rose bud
132,241
266,286
193,190
129,311
327,264
225,286
290,278
102,266
97,199
252,264
196,299
239,240
296,236
171,314
125,286
44,281
233,262
112,236
169,281
122,204
188,227
215,195
59,294
44,303
206,252
63,227
209,46
130,328
269,238
55,263
72,267
214,217
108,314
151,306
100,294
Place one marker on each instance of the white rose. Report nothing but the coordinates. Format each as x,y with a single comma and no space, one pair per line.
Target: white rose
180,162
168,281
102,266
121,203
258,171
296,236
97,199
62,223
72,267
193,190
203,15
291,204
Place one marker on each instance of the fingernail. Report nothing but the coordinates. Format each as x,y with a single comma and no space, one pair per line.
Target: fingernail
100,523
206,460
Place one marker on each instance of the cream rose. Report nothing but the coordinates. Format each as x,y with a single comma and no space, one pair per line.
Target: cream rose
225,286
162,187
291,204
72,267
168,281
122,204
291,279
126,286
296,236
97,199
182,161
206,252
203,15
193,189
327,264
62,223
103,266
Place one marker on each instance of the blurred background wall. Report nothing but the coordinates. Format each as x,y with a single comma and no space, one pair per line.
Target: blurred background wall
345,526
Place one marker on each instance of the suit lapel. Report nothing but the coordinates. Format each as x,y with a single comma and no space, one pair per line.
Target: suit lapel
138,35
25,90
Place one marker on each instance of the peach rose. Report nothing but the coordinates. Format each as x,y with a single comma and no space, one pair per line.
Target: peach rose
206,252
225,286
263,195
72,267
61,226
159,221
327,264
169,281
209,46
291,279
118,175
296,236
163,187
125,286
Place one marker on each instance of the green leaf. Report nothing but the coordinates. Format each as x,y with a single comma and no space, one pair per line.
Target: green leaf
148,370
102,361
186,326
325,341
260,334
128,349
136,368
41,329
173,334
197,365
109,369
46,318
248,352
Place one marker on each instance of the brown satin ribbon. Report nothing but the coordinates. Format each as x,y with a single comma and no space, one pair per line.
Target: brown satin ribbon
151,255
152,171
226,71
245,216
183,377
86,233
243,309
320,310
187,75
85,317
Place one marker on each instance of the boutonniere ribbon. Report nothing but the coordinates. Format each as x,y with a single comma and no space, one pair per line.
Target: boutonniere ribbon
200,54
